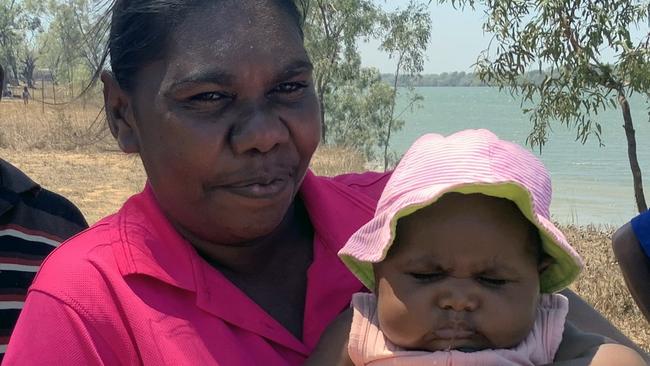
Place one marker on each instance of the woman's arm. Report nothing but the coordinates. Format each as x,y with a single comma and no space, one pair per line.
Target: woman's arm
332,349
584,349
607,355
635,266
585,318
616,354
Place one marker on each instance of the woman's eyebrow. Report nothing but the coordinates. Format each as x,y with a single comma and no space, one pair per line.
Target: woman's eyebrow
221,77
213,76
294,68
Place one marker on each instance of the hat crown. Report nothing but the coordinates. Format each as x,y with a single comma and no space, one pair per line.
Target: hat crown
471,161
468,157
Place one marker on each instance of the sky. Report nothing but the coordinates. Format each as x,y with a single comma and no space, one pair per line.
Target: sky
456,40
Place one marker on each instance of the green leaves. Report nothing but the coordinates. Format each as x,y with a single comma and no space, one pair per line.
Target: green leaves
358,107
568,39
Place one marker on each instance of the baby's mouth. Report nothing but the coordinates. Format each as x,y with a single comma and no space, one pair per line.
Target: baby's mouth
457,334
467,349
454,333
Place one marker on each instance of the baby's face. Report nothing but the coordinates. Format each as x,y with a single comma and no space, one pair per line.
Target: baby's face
462,274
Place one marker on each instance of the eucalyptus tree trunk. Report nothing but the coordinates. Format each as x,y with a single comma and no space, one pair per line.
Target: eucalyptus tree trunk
631,152
392,113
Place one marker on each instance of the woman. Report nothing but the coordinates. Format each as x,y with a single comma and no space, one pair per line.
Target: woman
229,254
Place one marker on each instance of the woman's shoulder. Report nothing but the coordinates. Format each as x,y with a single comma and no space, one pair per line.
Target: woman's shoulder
90,259
93,253
369,183
77,262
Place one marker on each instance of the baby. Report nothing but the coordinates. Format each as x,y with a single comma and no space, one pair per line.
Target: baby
463,262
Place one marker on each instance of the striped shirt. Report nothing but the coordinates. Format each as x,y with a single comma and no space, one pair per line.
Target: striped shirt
33,221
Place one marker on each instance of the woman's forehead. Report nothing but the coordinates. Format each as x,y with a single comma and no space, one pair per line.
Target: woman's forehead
231,38
237,29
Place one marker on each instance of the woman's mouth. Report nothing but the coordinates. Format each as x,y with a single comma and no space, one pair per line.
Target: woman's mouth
259,188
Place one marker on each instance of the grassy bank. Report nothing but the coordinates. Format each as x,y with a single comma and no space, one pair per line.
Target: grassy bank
54,151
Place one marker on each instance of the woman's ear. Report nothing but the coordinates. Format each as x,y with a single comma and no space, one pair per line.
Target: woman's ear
119,114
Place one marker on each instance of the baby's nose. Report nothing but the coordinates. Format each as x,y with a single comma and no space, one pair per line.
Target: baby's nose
458,297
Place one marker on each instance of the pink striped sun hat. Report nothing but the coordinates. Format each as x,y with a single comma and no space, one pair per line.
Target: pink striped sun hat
471,161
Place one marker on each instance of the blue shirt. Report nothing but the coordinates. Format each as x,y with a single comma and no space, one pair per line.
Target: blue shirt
641,227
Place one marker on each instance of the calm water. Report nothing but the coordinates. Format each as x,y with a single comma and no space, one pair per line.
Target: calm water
591,184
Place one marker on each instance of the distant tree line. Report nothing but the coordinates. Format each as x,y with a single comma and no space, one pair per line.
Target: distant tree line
456,78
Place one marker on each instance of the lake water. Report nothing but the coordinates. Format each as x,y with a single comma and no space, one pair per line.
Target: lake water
591,184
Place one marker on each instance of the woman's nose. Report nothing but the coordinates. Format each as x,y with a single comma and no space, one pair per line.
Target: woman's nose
259,130
458,297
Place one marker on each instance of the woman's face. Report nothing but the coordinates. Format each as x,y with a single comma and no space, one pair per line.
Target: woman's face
227,122
463,274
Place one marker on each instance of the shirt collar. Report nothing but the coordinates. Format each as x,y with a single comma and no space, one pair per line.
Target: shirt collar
13,182
335,210
147,244
13,179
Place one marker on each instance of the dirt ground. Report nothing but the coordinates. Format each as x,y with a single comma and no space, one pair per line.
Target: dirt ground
98,182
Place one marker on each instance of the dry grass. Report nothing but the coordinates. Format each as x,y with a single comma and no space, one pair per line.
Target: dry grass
602,284
46,147
64,127
331,161
98,183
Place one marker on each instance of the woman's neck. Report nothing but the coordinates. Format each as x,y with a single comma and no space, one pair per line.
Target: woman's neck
258,256
271,271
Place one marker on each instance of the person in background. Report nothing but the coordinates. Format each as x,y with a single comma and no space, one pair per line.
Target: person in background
26,95
33,221
2,82
631,244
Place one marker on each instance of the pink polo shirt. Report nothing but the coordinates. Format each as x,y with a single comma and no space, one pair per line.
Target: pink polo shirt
130,290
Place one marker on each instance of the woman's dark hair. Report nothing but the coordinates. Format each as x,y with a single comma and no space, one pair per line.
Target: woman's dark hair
140,29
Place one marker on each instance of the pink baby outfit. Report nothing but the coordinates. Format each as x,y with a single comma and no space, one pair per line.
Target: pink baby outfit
131,291
368,346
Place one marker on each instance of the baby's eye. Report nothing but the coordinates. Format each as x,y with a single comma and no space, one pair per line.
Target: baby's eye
492,281
427,276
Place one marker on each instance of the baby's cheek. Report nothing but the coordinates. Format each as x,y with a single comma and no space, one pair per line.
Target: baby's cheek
401,326
509,324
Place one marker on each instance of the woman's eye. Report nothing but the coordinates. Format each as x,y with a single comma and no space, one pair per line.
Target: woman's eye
427,276
492,281
289,88
208,97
